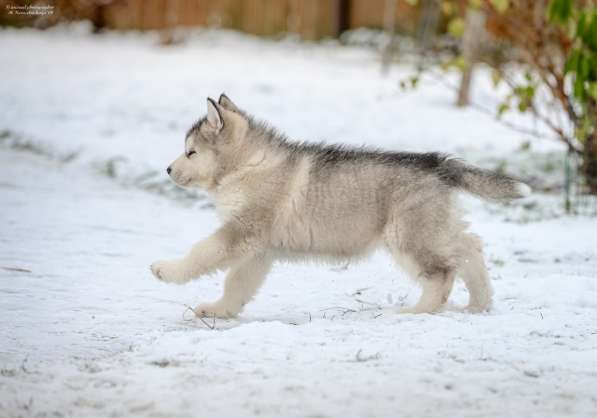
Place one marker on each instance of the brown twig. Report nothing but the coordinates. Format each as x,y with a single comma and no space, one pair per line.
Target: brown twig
208,325
489,112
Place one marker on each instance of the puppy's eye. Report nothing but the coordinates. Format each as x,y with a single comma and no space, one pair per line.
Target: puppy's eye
191,153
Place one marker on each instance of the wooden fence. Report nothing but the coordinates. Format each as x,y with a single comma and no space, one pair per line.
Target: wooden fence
311,19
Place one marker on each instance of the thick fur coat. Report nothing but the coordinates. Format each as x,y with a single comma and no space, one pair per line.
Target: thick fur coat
279,199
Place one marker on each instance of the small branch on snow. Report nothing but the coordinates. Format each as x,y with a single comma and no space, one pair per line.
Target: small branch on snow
338,308
207,324
367,303
213,324
188,308
24,368
359,358
359,291
17,269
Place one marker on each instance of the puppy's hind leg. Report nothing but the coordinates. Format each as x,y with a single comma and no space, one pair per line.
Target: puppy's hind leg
474,274
432,270
242,282
436,289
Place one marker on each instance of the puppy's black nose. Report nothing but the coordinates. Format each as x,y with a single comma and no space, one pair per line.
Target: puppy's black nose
168,170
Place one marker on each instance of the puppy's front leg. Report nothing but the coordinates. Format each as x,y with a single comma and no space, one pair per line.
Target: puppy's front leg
218,251
242,283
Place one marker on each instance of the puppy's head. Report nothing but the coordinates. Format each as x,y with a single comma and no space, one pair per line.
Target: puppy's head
211,146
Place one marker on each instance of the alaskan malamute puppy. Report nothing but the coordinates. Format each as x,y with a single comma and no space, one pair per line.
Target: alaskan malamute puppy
279,199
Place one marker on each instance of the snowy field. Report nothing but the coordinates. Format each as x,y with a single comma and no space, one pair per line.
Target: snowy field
87,127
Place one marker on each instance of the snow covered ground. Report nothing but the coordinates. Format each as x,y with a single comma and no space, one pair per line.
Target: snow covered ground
87,126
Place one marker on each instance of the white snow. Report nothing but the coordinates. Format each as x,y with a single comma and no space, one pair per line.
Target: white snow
85,330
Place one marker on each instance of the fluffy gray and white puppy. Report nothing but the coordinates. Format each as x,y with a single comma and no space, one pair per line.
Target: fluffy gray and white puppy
283,200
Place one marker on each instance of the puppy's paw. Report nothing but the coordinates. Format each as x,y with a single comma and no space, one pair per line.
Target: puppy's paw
477,309
217,309
413,310
169,271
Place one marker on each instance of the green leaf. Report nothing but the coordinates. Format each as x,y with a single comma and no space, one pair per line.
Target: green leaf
581,25
457,62
552,10
584,68
502,108
593,90
448,8
559,11
528,76
578,88
589,34
525,146
523,106
456,27
496,77
572,61
474,4
583,128
500,5
414,81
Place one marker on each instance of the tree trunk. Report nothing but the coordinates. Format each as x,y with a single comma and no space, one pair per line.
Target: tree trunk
389,19
465,85
471,42
426,30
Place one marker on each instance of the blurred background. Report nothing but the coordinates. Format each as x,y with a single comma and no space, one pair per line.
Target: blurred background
311,19
539,56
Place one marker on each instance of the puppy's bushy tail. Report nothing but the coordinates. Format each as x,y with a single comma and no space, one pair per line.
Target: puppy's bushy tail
484,183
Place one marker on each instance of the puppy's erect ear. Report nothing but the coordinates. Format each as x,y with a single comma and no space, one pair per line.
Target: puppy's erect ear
227,104
214,117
